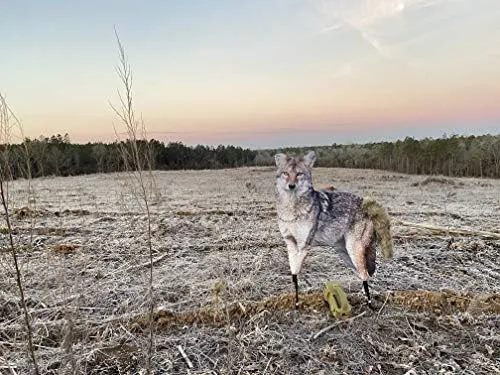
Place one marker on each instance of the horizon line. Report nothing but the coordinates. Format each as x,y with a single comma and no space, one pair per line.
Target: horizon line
445,135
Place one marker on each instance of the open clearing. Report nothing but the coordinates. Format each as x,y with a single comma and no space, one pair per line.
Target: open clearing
222,283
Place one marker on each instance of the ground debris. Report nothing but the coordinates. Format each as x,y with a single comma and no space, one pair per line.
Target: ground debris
65,248
446,302
450,231
436,302
438,180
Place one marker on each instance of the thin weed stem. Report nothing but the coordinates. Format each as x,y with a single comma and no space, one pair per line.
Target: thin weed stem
136,155
7,123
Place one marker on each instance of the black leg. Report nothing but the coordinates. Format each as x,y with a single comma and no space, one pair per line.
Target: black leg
367,292
296,283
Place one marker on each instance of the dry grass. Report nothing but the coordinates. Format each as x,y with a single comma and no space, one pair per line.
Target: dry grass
221,277
438,303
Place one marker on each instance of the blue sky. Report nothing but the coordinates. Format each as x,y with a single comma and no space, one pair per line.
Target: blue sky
257,73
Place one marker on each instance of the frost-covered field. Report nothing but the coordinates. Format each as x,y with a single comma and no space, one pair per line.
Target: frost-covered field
216,243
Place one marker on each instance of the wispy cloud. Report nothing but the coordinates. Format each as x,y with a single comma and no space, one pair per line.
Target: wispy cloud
362,14
365,16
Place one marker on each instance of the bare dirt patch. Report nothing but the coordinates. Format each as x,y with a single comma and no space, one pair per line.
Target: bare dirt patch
223,292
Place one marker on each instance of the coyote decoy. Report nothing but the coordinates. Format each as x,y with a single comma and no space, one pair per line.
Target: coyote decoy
353,225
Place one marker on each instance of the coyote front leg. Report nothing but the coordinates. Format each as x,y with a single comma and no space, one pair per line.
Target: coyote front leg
296,254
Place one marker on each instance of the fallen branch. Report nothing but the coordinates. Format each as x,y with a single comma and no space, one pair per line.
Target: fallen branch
383,305
336,324
149,263
447,230
184,355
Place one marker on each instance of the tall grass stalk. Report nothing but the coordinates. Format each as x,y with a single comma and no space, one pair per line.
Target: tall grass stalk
136,157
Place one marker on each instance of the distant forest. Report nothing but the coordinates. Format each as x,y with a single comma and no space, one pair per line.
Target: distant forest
476,156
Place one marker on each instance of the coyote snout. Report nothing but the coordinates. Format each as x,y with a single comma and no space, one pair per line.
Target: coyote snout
353,225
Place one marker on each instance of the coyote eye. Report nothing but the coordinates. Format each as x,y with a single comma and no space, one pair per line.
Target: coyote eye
300,174
284,174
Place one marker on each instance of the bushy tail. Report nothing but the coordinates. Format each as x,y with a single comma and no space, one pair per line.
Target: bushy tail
382,224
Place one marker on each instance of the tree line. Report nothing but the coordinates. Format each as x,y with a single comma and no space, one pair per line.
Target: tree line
460,156
476,156
57,156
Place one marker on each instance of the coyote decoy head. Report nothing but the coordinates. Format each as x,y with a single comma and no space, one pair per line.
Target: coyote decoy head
294,173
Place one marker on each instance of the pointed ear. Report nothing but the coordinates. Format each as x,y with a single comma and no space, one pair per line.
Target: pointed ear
280,160
309,159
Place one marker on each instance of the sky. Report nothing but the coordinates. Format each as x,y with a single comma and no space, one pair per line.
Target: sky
255,73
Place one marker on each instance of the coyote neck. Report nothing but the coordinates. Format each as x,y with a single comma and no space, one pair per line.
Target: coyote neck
292,207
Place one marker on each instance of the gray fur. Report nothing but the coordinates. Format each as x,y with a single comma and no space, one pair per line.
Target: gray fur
335,214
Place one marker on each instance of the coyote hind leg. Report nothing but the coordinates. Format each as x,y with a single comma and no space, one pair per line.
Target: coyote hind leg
367,293
296,283
358,243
